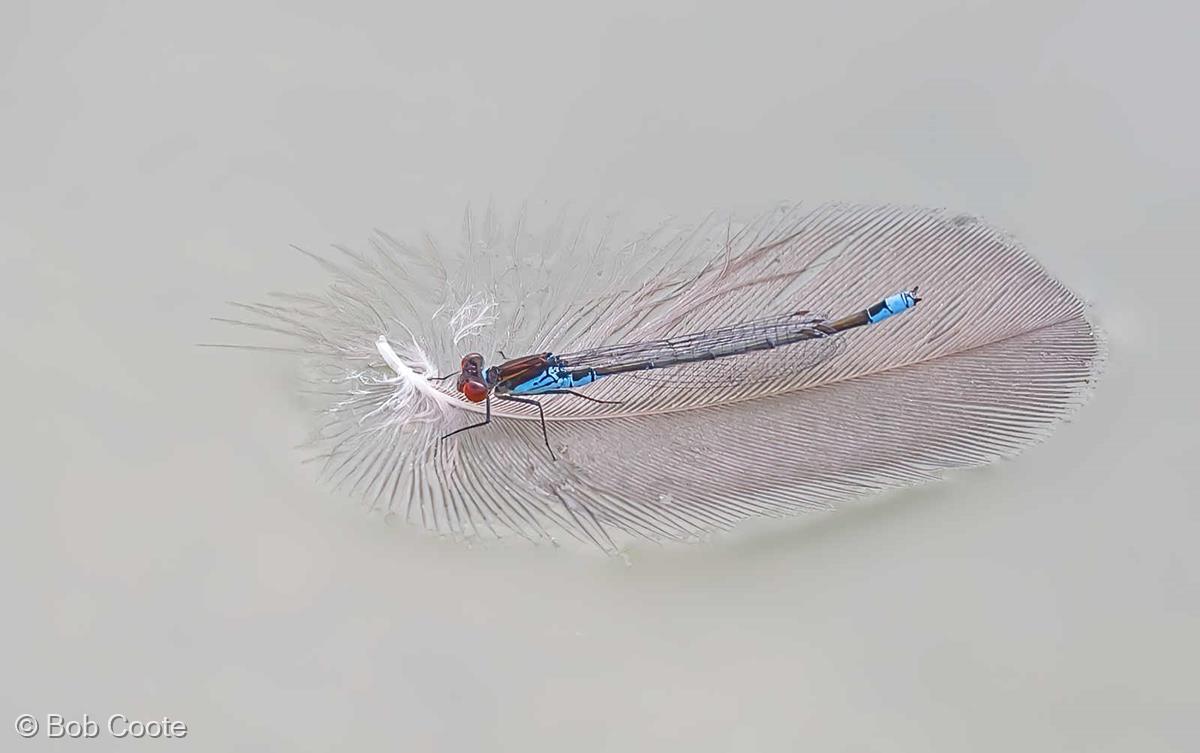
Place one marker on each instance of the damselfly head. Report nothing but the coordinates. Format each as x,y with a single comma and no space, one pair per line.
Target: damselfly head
471,382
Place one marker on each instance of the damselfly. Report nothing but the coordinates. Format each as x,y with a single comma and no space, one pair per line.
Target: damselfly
548,373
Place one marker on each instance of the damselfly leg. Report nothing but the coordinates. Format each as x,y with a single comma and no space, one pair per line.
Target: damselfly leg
580,394
541,417
487,413
487,419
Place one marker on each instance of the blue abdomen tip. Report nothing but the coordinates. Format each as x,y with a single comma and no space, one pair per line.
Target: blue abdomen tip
893,304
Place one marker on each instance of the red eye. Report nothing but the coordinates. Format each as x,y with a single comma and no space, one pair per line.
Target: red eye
474,390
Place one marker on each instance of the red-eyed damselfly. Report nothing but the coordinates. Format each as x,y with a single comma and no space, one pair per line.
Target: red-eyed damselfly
517,379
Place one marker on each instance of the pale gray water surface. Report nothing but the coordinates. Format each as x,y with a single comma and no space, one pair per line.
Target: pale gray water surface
166,554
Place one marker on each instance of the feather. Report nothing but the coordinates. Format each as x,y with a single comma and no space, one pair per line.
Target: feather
996,354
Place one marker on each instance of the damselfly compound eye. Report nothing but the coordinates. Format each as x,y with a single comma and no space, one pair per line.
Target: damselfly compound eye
472,362
474,390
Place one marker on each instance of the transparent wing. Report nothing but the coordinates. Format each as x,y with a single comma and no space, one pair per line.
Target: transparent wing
735,354
749,368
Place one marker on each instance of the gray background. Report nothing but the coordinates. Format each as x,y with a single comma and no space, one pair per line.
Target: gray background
165,553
